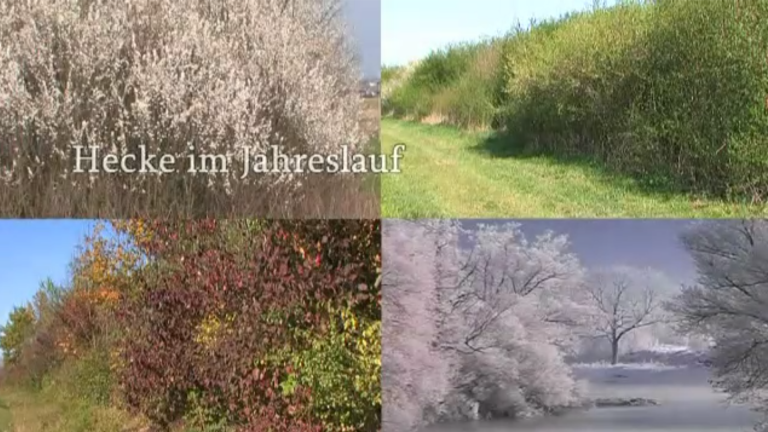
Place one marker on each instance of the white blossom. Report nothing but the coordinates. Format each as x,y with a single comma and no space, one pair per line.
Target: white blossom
114,73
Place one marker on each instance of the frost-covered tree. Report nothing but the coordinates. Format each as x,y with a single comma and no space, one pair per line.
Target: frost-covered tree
729,303
501,268
516,306
416,372
476,322
624,300
179,77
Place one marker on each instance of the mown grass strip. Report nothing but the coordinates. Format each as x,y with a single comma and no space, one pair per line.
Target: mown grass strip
451,173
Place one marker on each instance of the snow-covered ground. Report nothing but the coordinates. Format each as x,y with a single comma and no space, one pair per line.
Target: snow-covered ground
674,376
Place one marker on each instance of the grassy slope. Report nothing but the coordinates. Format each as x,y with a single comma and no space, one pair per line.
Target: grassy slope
5,416
444,175
26,411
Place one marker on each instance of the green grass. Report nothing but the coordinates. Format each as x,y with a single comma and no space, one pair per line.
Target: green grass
33,411
5,416
450,173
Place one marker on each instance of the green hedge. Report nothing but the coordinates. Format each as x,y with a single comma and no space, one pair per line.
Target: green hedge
674,92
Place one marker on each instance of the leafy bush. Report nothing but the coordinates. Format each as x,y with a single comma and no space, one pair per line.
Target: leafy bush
93,377
389,73
708,80
671,92
217,269
472,99
441,68
343,368
657,91
454,82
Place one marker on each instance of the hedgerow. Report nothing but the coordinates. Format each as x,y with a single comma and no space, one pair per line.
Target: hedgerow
671,92
235,325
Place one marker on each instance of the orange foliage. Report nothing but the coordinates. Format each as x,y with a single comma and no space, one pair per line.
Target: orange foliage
104,263
101,272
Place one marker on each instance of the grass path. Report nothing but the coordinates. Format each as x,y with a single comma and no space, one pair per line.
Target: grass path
445,175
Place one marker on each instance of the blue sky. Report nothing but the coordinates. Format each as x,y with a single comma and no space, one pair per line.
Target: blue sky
30,252
604,243
413,28
364,18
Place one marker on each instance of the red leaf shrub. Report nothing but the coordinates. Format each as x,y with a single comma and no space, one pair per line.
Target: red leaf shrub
247,286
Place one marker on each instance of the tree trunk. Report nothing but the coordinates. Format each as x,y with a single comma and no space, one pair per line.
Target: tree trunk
614,351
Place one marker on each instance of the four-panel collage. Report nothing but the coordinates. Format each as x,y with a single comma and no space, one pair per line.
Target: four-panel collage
383,216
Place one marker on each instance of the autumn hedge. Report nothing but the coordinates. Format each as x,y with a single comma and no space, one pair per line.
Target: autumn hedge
248,325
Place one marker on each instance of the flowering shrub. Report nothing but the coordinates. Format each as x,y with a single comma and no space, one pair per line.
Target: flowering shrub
182,77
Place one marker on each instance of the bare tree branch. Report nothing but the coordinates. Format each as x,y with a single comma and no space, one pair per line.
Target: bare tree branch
622,306
729,303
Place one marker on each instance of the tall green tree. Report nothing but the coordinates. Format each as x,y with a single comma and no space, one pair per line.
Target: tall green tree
20,327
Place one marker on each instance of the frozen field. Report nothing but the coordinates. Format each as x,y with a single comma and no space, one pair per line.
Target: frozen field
686,403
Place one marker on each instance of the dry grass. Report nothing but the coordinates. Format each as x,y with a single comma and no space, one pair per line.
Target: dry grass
371,116
326,196
27,411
